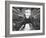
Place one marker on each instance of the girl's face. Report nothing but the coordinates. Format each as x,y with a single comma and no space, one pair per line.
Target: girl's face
27,13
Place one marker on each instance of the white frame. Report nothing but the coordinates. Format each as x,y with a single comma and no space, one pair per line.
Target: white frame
29,6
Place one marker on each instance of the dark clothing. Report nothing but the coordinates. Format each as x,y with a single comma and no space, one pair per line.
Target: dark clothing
25,21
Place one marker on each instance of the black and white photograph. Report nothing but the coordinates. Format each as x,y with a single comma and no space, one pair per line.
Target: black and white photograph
25,19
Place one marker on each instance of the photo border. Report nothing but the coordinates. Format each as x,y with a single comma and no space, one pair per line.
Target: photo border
7,18
27,6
